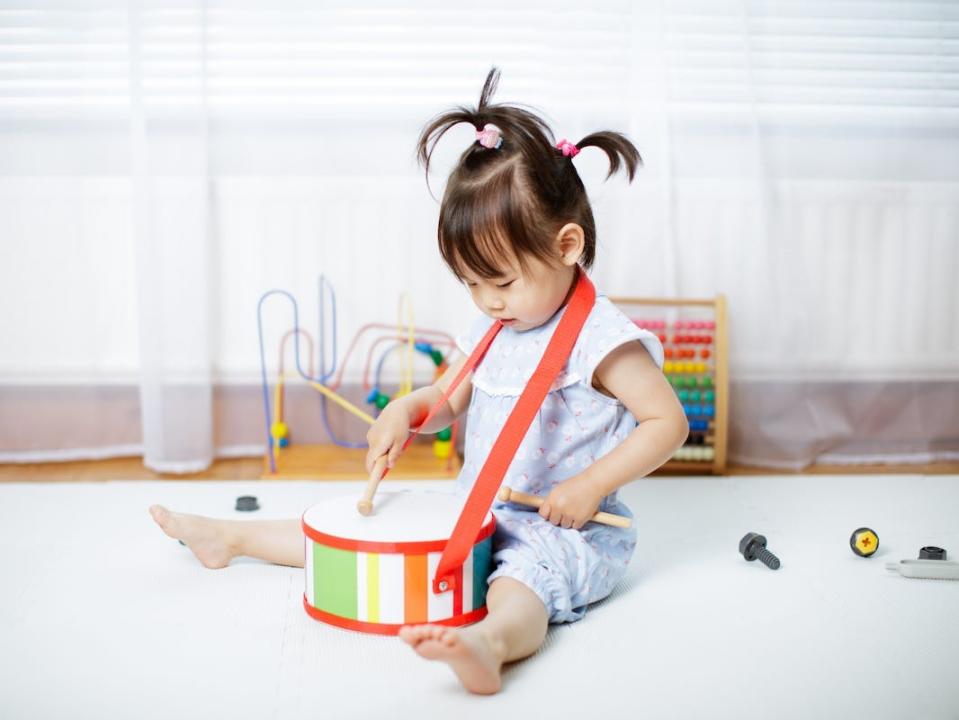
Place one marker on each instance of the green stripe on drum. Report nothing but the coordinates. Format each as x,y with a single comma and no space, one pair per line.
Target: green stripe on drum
482,567
334,581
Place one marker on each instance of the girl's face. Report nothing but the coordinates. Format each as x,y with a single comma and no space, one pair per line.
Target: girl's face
523,298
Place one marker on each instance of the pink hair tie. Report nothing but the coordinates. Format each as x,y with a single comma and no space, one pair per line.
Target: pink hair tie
489,137
569,150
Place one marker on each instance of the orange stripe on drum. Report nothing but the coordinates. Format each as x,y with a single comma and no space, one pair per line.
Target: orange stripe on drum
415,586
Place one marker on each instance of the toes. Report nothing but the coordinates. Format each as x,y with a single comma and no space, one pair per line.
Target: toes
416,634
161,516
413,634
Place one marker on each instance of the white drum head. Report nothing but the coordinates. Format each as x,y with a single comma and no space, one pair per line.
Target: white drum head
398,516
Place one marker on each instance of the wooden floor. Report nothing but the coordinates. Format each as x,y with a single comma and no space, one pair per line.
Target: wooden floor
252,469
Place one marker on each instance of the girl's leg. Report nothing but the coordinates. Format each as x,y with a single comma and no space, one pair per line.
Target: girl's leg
215,542
514,628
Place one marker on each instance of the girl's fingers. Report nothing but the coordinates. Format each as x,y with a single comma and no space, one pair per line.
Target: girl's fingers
375,451
394,454
379,470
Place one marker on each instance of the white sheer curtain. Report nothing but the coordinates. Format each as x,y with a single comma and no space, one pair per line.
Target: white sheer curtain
167,162
172,231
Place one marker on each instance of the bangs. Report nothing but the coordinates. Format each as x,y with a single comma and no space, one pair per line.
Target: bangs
485,226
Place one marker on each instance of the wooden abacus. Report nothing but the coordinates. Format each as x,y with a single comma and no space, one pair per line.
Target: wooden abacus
694,337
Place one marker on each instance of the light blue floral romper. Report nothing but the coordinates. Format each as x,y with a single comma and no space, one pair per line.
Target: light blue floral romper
568,569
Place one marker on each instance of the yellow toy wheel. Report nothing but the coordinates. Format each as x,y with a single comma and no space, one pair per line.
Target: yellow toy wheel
864,542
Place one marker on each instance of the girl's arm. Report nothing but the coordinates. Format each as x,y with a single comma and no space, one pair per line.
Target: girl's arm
389,432
629,374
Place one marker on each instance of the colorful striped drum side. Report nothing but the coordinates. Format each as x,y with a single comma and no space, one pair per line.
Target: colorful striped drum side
364,588
377,585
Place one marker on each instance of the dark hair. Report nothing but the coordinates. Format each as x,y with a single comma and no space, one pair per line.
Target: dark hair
517,197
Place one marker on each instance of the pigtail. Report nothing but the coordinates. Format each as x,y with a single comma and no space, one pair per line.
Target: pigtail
620,151
434,130
523,131
439,125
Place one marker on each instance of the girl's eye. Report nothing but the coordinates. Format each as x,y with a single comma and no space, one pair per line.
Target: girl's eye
505,284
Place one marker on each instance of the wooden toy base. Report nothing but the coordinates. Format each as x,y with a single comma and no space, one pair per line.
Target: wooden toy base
331,462
684,467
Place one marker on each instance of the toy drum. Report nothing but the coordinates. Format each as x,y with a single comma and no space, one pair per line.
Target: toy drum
374,573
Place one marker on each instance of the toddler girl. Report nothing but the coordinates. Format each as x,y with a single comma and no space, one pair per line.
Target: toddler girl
516,227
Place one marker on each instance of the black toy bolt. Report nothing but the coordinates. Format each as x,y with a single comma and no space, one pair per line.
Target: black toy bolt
753,546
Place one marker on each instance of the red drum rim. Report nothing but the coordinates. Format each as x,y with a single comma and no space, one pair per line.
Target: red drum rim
415,547
387,628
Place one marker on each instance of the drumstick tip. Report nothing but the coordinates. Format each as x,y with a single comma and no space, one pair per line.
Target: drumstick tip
504,493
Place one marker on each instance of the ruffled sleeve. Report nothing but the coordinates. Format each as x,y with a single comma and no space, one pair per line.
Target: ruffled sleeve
606,328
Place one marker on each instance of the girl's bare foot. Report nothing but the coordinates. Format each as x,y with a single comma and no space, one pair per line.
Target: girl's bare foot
209,539
471,655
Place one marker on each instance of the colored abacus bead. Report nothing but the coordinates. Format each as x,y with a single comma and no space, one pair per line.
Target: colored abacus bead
683,395
445,434
709,396
279,430
704,354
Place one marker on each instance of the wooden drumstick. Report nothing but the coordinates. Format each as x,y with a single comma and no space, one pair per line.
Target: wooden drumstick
506,494
365,504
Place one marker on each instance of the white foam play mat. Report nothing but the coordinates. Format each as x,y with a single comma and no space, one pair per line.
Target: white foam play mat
104,616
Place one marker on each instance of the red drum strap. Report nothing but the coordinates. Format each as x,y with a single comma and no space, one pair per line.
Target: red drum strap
504,449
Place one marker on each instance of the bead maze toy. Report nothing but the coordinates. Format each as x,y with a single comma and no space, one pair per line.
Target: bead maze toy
694,337
344,458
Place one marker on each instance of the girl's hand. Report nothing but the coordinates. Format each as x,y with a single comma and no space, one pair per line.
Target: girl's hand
387,435
571,503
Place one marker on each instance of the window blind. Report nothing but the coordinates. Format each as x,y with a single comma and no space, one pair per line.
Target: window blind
60,57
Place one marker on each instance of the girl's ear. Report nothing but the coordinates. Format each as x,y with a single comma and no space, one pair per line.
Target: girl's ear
570,240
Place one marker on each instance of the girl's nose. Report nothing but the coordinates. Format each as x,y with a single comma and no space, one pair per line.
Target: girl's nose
495,303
